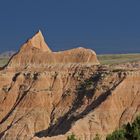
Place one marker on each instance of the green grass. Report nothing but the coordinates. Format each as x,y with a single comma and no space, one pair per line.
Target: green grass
3,61
118,58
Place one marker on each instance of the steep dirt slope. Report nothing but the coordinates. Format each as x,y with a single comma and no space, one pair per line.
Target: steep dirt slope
47,95
114,101
58,101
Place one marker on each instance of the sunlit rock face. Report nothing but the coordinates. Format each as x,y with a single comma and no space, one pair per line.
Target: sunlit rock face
36,53
47,95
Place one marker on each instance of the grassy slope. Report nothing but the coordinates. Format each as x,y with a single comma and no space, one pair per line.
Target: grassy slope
3,61
118,58
104,59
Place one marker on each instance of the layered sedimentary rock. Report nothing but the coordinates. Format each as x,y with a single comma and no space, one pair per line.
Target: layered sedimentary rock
36,42
58,101
35,53
66,94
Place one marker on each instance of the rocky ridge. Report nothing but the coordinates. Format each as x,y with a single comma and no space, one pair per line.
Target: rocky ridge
36,53
47,95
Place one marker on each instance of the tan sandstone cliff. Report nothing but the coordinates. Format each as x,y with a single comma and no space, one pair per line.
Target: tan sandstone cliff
36,53
49,95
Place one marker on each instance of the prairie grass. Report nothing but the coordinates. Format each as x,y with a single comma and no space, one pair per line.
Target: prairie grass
118,58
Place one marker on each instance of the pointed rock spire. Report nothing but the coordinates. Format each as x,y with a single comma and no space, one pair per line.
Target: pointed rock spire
38,42
35,52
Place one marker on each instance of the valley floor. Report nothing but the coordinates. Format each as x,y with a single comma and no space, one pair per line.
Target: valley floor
118,58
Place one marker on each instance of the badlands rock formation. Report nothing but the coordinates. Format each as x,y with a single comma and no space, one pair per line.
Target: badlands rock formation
36,53
47,96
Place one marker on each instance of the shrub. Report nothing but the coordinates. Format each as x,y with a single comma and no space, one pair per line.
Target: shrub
128,132
72,137
117,135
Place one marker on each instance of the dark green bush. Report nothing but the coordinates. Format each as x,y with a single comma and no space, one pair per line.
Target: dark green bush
128,132
117,135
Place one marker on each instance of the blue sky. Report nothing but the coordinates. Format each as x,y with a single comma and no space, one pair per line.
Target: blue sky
107,26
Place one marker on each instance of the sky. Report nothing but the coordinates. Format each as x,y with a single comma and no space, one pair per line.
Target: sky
106,26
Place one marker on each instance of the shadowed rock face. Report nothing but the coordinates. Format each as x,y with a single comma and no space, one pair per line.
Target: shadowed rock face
36,53
66,93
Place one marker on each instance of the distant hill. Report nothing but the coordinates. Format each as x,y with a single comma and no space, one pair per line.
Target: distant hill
7,54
